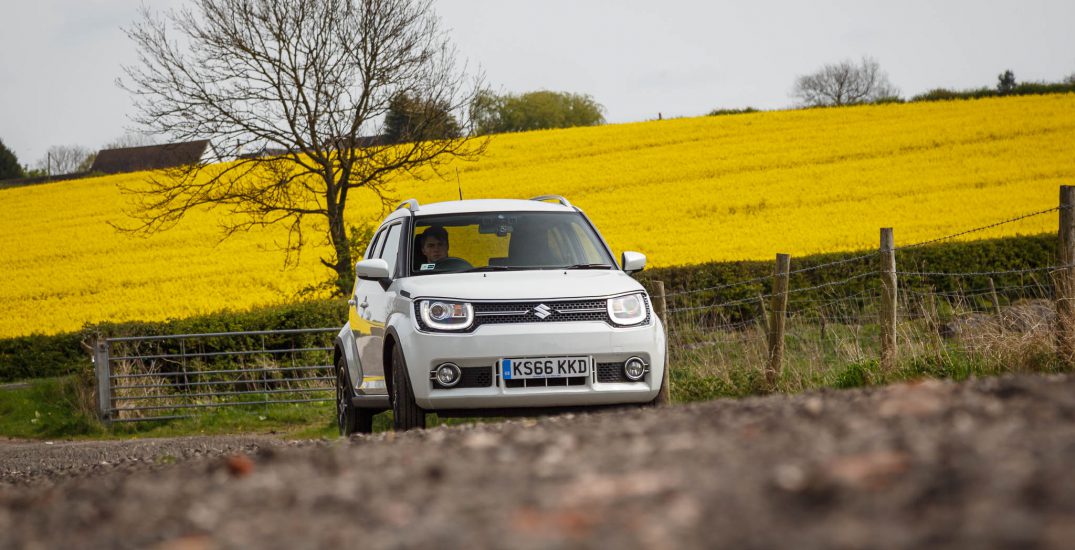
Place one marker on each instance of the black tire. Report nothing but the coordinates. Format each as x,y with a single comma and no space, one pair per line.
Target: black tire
664,396
349,419
406,414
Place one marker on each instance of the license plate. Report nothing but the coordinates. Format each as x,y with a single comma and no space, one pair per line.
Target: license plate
544,367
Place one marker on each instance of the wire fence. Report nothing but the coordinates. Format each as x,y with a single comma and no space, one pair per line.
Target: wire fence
784,330
166,377
834,313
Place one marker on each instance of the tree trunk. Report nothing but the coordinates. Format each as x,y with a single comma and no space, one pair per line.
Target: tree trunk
345,269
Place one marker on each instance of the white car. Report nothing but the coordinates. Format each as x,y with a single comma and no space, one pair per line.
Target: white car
494,307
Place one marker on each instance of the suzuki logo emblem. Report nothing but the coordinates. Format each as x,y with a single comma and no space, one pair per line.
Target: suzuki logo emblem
542,311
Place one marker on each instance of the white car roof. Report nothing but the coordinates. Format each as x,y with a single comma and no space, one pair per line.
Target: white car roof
485,205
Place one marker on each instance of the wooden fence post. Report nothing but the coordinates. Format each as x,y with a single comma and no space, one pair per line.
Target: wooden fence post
763,315
1064,278
888,300
993,297
664,396
778,312
101,366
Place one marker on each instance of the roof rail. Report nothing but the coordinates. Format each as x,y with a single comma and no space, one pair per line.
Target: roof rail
411,204
556,198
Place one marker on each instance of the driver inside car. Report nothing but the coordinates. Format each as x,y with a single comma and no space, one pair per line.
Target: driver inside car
433,248
434,243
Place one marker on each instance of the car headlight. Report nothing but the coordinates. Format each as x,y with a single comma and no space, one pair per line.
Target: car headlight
442,315
627,310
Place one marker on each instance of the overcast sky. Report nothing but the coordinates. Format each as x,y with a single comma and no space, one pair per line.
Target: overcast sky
59,59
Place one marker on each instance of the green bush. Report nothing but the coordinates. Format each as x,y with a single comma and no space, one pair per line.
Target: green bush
938,94
39,356
722,112
889,99
857,375
1025,88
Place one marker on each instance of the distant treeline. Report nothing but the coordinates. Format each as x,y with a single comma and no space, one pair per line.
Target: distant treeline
945,94
1024,88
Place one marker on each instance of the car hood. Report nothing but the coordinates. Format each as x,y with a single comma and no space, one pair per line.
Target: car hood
521,285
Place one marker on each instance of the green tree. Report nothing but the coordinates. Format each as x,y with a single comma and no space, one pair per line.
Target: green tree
538,110
1006,82
485,112
411,119
9,164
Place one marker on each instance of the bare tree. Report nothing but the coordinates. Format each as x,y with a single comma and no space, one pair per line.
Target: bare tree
845,83
310,78
65,159
130,139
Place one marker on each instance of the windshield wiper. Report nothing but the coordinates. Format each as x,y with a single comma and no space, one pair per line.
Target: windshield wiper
588,266
494,268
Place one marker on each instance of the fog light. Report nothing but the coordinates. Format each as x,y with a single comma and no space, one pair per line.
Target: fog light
634,369
448,374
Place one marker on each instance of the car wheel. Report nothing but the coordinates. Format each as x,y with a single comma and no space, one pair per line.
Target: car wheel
349,419
406,414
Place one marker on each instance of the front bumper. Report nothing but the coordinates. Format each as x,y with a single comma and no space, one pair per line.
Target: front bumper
489,344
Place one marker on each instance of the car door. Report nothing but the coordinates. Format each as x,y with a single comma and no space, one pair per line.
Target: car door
360,325
371,305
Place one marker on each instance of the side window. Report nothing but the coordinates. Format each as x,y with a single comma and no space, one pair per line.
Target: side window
371,250
391,248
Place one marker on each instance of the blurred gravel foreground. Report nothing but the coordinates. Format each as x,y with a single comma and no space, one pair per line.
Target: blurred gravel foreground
980,464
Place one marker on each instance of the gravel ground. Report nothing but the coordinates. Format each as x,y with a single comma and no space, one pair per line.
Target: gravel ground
981,464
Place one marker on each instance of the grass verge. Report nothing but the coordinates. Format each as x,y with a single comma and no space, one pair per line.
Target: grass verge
48,408
708,362
62,408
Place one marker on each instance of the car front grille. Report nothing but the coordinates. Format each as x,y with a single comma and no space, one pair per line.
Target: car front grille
546,382
500,313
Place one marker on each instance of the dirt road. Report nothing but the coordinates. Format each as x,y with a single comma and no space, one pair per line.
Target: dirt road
981,464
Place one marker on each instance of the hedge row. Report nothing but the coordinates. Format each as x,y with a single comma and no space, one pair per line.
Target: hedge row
1006,254
943,94
1024,88
38,356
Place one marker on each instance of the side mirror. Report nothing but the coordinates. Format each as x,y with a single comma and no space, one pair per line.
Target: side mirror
374,269
633,262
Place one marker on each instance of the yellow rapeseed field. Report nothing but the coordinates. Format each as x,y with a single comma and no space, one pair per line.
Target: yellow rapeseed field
681,191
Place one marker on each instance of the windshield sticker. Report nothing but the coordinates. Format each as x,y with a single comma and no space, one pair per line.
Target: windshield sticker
427,267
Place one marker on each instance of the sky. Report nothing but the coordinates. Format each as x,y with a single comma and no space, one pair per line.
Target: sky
59,59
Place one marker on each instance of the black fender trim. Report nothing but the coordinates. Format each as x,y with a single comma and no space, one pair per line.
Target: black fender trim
390,339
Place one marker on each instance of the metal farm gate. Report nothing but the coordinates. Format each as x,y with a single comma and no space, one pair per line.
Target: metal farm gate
142,378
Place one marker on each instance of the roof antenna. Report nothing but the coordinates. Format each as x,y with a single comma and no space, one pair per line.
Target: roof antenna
459,183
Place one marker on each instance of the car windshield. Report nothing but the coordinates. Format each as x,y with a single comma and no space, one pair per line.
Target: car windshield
504,241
